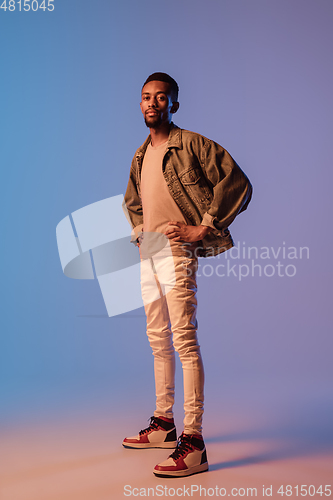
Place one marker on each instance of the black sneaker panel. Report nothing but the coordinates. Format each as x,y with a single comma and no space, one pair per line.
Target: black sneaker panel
156,422
171,436
203,458
185,443
198,443
167,426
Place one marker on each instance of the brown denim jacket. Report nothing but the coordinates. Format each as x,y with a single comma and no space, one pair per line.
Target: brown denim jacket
205,182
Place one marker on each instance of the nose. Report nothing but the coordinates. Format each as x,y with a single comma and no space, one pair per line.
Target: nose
152,103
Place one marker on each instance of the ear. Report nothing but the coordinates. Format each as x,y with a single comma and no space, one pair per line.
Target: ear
174,107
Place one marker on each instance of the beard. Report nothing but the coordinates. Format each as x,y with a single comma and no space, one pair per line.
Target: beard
153,121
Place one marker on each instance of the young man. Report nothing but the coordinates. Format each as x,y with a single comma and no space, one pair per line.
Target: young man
183,192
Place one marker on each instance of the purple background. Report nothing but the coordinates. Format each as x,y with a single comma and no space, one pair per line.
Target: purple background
255,76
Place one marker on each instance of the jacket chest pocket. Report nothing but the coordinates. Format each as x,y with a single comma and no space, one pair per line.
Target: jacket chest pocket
195,185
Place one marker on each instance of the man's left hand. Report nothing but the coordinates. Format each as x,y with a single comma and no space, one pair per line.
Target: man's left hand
184,233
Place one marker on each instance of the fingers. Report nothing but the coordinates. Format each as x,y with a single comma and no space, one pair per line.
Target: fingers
173,229
177,232
172,235
178,224
171,232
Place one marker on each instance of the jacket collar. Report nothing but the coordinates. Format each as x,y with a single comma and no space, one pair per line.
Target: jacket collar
175,137
174,141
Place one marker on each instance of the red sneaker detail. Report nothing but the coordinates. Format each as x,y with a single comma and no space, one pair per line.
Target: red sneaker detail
188,458
160,434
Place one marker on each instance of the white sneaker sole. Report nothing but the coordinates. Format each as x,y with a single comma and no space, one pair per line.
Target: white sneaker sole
166,445
196,469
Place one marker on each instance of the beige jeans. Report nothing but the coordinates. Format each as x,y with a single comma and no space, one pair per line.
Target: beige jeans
168,284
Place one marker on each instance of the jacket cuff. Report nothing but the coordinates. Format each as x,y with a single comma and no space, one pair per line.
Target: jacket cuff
208,220
136,233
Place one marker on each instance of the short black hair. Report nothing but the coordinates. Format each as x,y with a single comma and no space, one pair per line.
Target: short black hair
163,77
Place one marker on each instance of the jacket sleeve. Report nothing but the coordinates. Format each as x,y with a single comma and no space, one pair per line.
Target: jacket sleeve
132,205
232,190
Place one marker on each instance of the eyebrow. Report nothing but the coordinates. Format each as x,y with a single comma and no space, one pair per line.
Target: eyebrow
148,93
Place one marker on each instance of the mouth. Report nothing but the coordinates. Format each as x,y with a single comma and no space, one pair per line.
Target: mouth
152,113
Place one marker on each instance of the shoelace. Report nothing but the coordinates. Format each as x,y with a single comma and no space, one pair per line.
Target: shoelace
183,446
152,426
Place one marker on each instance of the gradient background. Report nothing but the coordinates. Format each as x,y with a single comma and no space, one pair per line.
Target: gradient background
256,77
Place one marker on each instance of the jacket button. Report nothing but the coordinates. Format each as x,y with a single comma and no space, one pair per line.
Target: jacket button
191,178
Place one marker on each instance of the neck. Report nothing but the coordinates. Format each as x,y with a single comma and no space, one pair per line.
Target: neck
160,134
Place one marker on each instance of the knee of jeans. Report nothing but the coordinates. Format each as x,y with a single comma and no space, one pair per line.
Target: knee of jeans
162,349
187,348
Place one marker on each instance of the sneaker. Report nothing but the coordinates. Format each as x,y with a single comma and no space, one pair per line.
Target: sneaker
161,433
188,458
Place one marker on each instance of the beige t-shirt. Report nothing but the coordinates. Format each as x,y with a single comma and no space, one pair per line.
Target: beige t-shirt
158,205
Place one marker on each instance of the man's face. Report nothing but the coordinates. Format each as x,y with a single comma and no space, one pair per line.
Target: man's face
156,104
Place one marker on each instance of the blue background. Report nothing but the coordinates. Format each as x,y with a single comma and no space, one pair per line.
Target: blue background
256,77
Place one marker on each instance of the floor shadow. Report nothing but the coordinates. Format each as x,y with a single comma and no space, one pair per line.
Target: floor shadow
303,434
291,450
241,462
